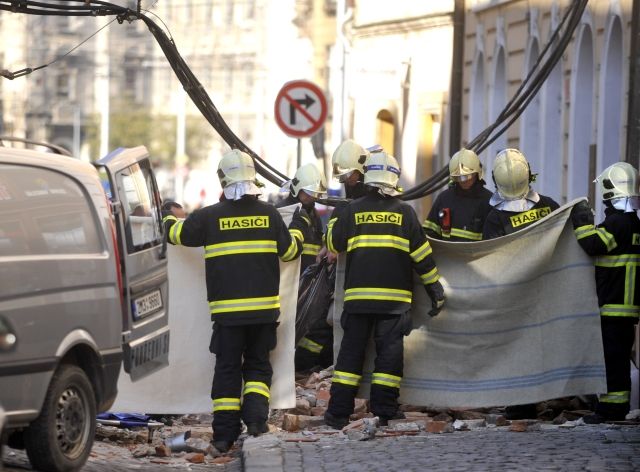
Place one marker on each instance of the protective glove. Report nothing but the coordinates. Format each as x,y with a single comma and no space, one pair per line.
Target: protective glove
170,207
581,214
436,294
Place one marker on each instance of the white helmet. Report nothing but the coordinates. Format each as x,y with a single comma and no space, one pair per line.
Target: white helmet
347,157
383,169
309,179
618,180
511,174
236,166
465,162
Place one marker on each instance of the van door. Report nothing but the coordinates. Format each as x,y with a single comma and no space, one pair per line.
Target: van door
131,186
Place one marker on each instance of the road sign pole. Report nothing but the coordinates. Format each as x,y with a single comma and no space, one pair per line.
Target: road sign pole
299,153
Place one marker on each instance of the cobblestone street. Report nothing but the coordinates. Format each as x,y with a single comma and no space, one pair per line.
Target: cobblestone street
550,447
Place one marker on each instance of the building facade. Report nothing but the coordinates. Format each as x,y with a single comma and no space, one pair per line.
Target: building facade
577,124
390,83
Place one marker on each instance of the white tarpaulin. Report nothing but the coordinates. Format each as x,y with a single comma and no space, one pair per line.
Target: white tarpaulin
185,385
521,323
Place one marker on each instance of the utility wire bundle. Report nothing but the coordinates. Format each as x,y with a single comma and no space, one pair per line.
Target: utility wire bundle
546,61
527,91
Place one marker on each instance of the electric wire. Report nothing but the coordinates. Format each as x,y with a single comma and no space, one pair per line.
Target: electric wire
526,92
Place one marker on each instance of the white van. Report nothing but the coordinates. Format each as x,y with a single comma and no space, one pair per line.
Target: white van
83,288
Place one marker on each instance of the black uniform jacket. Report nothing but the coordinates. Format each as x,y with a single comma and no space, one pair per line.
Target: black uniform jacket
502,222
312,234
384,243
458,215
616,243
242,241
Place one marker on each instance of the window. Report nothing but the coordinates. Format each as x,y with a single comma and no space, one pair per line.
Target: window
143,223
43,212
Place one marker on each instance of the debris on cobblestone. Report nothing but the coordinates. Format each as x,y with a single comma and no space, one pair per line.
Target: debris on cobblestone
521,426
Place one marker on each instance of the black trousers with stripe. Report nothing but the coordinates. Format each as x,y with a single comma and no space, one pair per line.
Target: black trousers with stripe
618,335
242,353
320,333
388,334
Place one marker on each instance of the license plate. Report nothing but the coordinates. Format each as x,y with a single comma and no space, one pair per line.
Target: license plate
147,304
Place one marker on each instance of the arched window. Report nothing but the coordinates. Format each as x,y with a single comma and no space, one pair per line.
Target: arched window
581,120
498,102
551,169
611,98
477,95
385,131
530,120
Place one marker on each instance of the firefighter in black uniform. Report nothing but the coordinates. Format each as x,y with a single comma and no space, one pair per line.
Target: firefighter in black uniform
242,239
459,212
315,348
515,206
384,243
307,185
616,244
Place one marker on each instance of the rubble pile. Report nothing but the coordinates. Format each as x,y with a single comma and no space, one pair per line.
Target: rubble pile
305,422
183,439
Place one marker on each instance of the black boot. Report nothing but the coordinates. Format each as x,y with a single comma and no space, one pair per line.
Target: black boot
256,429
336,422
222,445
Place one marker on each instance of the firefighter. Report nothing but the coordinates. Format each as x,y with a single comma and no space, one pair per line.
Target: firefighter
616,244
315,348
384,242
308,184
459,212
348,167
515,206
242,239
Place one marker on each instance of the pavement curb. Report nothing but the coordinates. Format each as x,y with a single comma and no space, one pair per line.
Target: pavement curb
263,454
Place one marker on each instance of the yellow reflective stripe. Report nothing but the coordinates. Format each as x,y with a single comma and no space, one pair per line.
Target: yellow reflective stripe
366,293
463,233
625,311
329,236
607,238
311,249
584,231
229,404
430,277
244,304
378,240
386,379
169,218
615,397
175,231
346,378
256,387
291,251
240,247
296,233
630,284
432,226
422,252
589,230
617,261
310,345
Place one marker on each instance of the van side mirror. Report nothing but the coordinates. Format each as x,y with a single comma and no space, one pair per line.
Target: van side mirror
8,339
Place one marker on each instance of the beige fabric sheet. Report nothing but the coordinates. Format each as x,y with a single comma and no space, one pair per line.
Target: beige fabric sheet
521,323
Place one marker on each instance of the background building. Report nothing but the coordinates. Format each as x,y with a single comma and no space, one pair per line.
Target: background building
577,124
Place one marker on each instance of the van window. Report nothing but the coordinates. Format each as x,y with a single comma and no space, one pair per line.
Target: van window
44,212
142,215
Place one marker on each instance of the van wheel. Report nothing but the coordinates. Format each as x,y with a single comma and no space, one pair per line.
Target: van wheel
60,439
